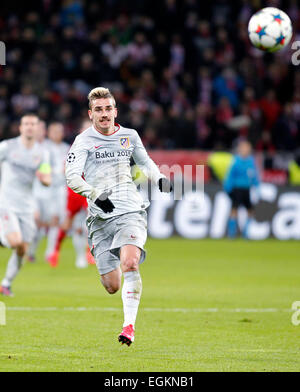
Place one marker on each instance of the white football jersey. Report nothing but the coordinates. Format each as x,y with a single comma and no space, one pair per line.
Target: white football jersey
97,163
41,191
19,165
58,156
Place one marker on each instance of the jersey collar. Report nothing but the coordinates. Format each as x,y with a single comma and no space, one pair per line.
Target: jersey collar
117,128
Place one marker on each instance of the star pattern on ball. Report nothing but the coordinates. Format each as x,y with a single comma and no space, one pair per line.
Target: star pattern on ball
277,18
280,40
261,31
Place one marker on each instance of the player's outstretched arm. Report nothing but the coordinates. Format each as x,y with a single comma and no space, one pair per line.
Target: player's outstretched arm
44,174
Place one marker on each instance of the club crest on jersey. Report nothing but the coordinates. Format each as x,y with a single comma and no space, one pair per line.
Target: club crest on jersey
124,141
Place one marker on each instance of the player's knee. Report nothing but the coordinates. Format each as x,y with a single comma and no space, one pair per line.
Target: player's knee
21,249
54,221
130,264
15,241
112,289
67,224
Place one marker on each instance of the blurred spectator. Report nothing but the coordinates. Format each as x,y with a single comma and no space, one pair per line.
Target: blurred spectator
205,85
151,139
122,29
204,125
25,101
271,108
228,85
203,39
223,115
265,143
115,52
285,130
140,51
71,12
177,56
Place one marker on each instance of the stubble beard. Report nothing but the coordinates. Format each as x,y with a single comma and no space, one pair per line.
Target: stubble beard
108,129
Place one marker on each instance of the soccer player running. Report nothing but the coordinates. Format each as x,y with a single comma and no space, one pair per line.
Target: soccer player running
98,167
22,160
42,197
241,176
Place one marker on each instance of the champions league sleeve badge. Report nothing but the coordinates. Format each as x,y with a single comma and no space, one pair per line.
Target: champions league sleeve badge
124,141
71,157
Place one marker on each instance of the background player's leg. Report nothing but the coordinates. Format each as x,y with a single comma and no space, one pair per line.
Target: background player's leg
40,233
79,238
13,267
42,220
250,212
248,222
232,224
13,239
132,286
54,244
79,242
52,237
53,257
58,216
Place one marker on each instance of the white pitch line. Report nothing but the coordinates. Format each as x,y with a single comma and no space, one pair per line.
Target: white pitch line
175,310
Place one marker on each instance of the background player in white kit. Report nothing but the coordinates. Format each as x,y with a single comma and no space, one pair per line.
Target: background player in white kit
51,201
58,193
22,160
42,198
98,167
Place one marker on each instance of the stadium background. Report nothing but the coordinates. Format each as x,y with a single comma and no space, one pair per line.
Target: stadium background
181,71
184,75
192,85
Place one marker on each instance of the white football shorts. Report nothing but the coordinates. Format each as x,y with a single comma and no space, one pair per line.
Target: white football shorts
11,222
107,236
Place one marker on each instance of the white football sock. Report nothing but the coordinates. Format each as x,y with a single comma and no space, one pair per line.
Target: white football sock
131,295
79,242
3,239
51,240
13,267
35,242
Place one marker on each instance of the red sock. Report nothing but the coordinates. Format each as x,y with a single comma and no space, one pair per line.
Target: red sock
60,238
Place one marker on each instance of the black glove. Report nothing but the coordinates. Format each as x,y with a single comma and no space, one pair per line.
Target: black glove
165,185
104,203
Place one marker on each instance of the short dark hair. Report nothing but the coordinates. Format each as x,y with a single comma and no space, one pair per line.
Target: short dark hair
29,114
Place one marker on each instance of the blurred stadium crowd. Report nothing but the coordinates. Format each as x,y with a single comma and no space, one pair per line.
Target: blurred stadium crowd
184,74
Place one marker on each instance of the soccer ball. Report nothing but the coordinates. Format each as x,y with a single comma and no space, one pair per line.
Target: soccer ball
270,29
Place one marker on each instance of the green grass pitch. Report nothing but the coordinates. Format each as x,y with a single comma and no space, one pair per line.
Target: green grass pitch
206,306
